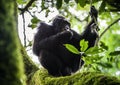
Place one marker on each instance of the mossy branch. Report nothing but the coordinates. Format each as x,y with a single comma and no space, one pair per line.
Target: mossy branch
41,77
30,66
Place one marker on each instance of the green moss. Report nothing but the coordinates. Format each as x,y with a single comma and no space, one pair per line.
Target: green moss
30,66
41,77
11,64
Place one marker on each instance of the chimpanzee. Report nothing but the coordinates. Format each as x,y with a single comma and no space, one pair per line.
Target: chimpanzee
49,40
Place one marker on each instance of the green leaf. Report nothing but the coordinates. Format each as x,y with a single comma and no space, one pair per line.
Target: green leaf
103,45
43,4
105,64
47,12
94,50
82,2
21,1
83,45
66,1
32,26
72,49
35,20
59,4
115,53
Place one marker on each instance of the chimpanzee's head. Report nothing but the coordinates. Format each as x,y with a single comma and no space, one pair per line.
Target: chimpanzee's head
60,24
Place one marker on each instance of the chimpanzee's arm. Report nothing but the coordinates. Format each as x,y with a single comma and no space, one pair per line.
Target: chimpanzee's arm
55,40
90,33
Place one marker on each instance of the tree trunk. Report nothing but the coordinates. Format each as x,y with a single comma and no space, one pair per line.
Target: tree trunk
11,63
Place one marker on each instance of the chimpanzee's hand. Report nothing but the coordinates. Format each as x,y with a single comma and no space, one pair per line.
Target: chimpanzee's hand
93,12
64,36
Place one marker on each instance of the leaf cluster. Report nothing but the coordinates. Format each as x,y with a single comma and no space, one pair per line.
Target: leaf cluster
97,58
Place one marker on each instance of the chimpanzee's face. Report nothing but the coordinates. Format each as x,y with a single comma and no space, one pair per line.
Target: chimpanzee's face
61,24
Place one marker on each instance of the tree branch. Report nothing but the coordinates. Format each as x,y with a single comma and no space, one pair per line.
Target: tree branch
109,27
112,10
27,6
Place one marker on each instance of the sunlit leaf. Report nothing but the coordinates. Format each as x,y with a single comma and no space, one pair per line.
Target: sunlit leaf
72,49
94,50
83,45
21,1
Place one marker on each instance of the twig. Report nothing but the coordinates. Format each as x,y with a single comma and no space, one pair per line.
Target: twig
24,32
111,10
109,27
30,13
27,6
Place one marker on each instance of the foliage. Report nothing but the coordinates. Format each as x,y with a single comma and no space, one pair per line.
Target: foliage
98,58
